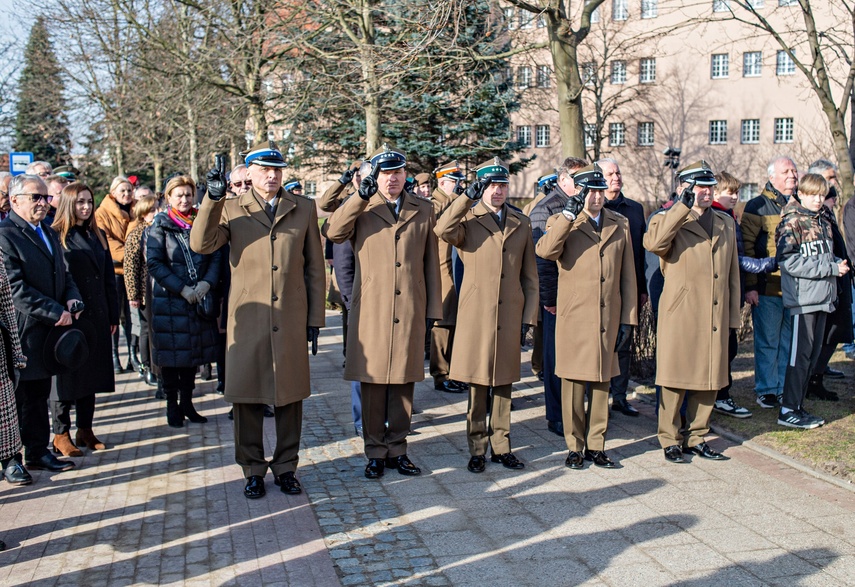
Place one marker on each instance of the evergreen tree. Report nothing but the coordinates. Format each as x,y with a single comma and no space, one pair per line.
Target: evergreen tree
41,125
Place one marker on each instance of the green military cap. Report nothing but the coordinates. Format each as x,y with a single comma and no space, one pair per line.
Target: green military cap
700,172
387,158
265,154
449,170
66,171
590,177
494,170
422,178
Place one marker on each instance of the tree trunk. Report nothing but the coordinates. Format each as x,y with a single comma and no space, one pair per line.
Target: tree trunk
193,141
370,84
119,152
158,172
569,85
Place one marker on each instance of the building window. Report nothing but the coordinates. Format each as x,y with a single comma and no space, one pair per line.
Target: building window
589,73
784,64
756,3
788,2
748,191
720,65
526,19
645,134
721,6
617,134
752,61
750,131
541,135
718,132
649,8
647,70
618,72
524,76
509,18
310,189
595,15
509,75
783,130
590,135
541,21
543,76
524,136
620,9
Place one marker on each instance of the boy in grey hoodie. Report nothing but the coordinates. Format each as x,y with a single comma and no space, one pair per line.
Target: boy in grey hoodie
809,289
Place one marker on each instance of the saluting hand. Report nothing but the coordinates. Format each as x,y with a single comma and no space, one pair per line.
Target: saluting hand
476,189
574,206
216,179
688,195
367,187
346,177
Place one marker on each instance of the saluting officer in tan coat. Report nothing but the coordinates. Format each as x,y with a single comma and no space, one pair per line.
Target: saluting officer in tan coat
395,293
276,302
699,303
449,180
498,301
597,308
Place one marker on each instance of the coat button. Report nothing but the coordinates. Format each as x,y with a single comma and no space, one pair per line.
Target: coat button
504,250
275,268
397,292
602,254
397,264
715,302
500,301
498,327
275,329
602,304
602,279
503,276
715,276
397,237
395,320
714,329
275,298
273,237
602,329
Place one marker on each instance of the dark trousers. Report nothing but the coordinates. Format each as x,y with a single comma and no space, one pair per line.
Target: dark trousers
732,351
808,331
551,383
221,358
124,313
178,378
249,438
386,413
145,330
825,355
31,399
619,383
537,348
61,413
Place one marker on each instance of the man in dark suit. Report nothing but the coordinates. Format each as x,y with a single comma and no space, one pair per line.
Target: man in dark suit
44,293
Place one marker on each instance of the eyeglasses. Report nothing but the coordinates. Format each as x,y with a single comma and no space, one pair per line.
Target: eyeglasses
36,197
240,184
44,173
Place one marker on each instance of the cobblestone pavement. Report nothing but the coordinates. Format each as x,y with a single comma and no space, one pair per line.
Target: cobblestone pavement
164,506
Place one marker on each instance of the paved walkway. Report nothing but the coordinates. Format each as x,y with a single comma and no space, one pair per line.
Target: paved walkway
164,506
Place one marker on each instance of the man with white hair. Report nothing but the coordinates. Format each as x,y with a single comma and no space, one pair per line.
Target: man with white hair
39,168
827,169
239,182
772,324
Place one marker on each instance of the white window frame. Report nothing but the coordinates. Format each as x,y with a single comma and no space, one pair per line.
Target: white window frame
542,135
721,6
543,77
524,77
718,132
784,130
510,17
646,134
618,72
617,134
649,8
749,131
526,19
784,64
620,10
719,66
748,191
647,70
590,135
524,135
752,64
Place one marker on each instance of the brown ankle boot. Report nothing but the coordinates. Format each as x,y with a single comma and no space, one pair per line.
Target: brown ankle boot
87,437
62,445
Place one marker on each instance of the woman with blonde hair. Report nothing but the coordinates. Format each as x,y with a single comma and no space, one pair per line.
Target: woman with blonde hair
86,252
114,216
183,320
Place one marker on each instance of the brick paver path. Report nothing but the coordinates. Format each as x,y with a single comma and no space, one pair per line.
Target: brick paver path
164,506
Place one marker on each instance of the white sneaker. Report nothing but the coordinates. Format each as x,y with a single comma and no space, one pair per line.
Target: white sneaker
728,408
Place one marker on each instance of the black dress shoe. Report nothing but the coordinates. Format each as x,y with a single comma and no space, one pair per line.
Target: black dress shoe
574,460
477,464
48,462
268,412
555,427
288,483
447,386
404,465
600,459
254,487
540,375
508,460
674,454
232,414
150,378
834,373
461,385
16,474
221,387
622,406
704,450
375,468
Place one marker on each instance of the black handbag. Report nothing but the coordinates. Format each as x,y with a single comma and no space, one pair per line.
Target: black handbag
207,307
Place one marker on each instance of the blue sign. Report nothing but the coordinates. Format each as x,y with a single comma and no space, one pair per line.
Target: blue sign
18,162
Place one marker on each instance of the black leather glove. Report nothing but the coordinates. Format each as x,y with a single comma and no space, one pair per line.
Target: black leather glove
476,189
346,177
216,179
624,338
523,333
575,204
312,333
458,188
367,187
688,195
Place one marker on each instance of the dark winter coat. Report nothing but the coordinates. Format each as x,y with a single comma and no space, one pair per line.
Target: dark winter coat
91,267
547,271
838,325
634,213
41,285
182,338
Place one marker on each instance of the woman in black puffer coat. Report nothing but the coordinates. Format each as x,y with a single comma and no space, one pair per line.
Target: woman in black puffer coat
183,339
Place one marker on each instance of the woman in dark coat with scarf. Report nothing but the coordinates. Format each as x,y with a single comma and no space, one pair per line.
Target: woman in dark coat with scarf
183,338
87,255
